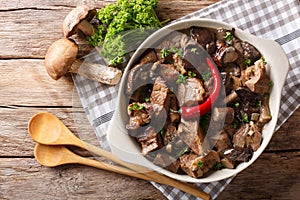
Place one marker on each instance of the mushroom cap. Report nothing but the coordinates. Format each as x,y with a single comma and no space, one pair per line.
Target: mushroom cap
79,13
60,56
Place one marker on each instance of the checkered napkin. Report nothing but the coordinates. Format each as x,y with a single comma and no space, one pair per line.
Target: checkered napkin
278,20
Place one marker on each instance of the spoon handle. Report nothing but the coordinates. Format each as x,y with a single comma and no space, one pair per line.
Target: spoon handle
145,173
149,176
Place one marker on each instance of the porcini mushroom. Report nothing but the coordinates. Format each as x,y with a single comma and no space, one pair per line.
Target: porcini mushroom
79,18
61,59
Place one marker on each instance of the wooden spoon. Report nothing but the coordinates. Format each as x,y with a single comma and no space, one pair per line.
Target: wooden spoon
55,155
45,128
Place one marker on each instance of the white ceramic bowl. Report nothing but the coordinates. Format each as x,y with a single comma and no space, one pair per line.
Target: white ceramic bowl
127,149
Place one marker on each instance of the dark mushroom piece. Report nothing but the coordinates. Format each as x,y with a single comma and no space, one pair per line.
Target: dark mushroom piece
225,54
246,49
265,114
61,59
231,98
204,37
79,18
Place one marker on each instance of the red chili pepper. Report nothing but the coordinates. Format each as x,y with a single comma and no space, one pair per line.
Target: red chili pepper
201,109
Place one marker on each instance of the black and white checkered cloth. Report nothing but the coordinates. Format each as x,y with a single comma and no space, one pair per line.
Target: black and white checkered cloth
278,20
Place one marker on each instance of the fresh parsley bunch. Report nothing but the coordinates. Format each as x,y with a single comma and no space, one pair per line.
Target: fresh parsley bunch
124,23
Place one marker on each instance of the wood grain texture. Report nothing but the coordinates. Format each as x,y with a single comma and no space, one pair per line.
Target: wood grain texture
24,178
27,28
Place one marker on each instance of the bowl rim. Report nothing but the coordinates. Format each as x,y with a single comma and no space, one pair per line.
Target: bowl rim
278,62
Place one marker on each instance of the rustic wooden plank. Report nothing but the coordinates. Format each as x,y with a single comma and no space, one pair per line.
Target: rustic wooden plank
273,176
37,24
287,137
26,82
15,140
24,178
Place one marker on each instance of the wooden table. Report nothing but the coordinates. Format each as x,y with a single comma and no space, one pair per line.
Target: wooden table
27,28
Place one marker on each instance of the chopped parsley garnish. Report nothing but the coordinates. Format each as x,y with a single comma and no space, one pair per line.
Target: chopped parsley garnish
183,151
162,132
136,106
191,74
200,164
259,103
245,118
228,37
237,104
271,84
248,62
177,51
147,99
164,53
181,79
234,124
218,166
206,75
264,61
194,50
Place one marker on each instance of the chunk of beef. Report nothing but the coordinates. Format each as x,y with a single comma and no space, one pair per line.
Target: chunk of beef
150,140
196,166
230,164
167,72
247,135
166,161
149,57
178,63
139,115
137,77
256,78
191,93
193,135
189,166
174,115
160,99
169,134
222,141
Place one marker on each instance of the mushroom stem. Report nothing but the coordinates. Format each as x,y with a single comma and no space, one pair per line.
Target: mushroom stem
230,98
61,59
96,72
86,27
